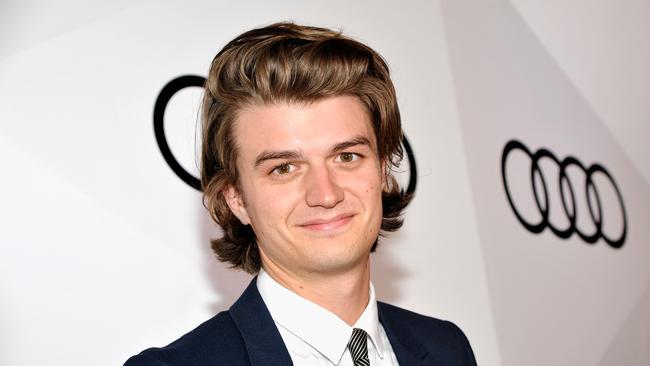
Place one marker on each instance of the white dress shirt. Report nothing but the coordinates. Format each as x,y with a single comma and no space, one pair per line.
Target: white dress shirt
315,336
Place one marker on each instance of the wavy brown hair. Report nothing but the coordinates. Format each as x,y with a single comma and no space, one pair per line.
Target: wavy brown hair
285,62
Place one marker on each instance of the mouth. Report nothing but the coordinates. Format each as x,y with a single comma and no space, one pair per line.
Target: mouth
328,224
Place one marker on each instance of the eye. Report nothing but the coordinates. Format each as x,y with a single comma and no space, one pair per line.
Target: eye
283,169
348,157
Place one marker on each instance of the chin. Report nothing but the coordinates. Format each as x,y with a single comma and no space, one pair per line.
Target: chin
335,265
339,258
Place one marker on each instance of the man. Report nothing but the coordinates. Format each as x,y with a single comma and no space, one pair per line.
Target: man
301,129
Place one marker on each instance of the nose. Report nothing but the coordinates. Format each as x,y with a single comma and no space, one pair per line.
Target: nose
322,187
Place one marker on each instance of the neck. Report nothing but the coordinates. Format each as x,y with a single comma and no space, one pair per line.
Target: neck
345,294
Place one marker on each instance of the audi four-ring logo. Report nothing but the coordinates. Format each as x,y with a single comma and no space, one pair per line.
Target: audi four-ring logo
566,195
187,81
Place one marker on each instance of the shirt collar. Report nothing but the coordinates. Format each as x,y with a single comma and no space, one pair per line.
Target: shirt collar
315,325
369,322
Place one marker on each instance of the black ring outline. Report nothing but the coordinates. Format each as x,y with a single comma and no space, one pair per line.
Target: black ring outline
186,81
593,238
563,177
615,243
413,170
537,228
165,95
544,153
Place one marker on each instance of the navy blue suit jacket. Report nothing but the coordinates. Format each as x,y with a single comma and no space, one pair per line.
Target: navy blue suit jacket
247,335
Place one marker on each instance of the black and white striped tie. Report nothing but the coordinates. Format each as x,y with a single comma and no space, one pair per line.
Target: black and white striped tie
358,347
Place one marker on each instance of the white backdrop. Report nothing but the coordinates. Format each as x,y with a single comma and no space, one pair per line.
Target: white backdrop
105,251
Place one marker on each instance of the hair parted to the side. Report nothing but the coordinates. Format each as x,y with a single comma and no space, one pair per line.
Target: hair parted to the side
285,62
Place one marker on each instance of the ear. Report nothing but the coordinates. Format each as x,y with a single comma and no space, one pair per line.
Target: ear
235,201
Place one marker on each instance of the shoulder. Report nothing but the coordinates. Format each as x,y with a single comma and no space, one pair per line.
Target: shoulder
440,337
216,340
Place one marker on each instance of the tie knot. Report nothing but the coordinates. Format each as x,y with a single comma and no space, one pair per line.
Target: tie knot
358,346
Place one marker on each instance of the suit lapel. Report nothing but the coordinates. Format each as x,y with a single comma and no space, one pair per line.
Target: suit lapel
263,341
266,348
408,349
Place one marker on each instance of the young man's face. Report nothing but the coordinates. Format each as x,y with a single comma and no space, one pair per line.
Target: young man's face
311,184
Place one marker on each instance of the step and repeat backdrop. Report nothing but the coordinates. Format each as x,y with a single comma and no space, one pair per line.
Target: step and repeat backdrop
526,127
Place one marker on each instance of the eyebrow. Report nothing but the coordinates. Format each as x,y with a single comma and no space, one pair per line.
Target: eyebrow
272,155
359,140
295,155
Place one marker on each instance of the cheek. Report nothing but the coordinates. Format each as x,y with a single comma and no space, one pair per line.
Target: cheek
370,193
373,186
270,206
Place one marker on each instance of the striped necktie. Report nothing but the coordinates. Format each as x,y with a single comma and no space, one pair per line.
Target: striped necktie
358,346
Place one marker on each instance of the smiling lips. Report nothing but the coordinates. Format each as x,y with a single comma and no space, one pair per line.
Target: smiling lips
333,223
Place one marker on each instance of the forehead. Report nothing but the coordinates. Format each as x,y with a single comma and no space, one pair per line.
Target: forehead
308,127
